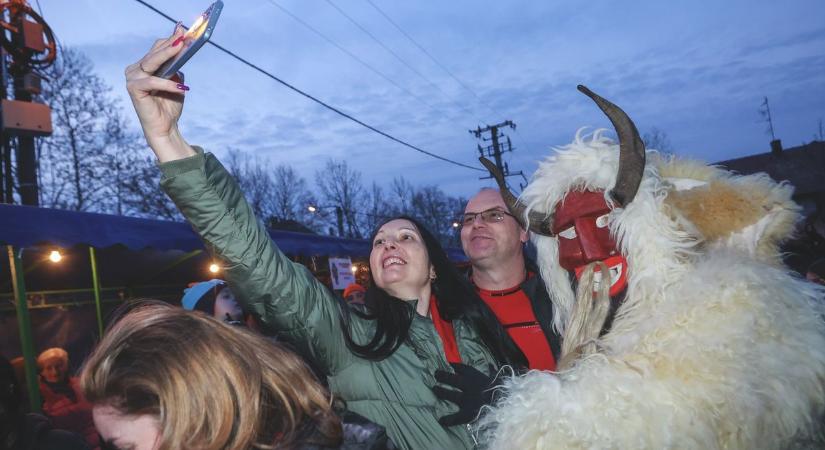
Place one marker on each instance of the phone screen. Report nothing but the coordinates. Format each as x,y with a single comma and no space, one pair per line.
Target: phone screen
193,40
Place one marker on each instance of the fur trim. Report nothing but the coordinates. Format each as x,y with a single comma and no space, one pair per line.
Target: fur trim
716,344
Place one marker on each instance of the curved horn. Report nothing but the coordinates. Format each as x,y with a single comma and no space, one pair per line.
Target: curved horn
631,150
539,223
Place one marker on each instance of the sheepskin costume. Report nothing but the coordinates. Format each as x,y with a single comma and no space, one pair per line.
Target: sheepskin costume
716,344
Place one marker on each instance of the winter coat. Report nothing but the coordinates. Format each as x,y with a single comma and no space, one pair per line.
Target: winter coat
395,392
72,414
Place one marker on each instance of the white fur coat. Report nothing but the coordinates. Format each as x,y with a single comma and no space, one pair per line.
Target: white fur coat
716,345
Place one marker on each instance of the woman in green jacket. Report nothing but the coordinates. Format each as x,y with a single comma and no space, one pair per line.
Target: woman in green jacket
382,362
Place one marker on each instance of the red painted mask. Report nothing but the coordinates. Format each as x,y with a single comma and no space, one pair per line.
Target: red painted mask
580,222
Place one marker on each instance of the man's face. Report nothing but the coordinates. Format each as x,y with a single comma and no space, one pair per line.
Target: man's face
490,242
580,222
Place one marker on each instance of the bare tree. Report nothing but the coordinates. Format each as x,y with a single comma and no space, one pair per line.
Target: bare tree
657,139
278,196
139,190
376,208
253,176
88,132
401,196
341,187
292,198
438,211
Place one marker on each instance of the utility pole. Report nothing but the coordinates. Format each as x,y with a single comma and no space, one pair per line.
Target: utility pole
497,147
766,113
27,44
776,144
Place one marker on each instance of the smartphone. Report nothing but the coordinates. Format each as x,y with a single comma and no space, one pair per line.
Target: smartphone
193,40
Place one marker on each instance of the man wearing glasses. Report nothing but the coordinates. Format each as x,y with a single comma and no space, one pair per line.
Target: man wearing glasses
494,242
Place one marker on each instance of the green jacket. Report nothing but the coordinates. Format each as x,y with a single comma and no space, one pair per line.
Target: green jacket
395,392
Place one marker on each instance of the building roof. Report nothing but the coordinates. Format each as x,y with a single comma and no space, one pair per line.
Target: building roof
803,166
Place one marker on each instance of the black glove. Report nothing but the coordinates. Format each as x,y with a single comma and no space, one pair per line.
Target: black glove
472,389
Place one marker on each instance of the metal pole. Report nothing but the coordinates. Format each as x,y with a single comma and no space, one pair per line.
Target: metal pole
96,287
25,326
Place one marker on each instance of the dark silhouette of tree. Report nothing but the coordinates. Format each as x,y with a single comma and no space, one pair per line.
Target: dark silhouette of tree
341,188
92,162
656,139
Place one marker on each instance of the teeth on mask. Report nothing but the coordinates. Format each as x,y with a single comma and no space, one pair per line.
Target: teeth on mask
615,271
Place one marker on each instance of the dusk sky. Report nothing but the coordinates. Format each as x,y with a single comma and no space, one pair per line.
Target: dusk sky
696,70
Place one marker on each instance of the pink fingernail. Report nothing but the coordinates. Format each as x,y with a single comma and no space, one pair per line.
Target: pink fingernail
177,41
182,87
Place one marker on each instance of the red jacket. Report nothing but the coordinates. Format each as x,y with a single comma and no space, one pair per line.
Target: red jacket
68,414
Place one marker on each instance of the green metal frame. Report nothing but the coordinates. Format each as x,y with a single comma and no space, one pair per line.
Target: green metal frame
96,287
24,318
25,326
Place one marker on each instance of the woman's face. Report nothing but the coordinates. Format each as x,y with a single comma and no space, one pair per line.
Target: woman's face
399,261
54,370
225,303
122,432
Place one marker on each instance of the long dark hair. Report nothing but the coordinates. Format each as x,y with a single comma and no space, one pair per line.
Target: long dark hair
457,299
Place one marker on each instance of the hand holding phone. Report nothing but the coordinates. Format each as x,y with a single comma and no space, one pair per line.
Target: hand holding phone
193,40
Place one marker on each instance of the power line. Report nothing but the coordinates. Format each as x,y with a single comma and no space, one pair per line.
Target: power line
436,61
320,102
399,58
423,50
350,54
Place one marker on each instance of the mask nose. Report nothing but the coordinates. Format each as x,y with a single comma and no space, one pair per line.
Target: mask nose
593,247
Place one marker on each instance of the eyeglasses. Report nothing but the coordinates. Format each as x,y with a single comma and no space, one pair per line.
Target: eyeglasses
488,216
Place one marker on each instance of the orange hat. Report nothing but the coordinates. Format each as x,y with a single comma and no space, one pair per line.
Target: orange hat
352,288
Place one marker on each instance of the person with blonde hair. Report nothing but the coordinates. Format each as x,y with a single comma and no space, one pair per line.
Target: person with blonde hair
167,378
63,402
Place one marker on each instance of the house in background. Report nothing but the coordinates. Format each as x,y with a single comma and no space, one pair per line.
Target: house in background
804,168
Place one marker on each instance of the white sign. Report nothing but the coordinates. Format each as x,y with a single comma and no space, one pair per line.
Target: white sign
340,270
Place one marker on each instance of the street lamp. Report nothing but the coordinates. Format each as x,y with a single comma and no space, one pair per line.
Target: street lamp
55,256
339,215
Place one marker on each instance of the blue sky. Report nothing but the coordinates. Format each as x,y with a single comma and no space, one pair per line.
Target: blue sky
696,70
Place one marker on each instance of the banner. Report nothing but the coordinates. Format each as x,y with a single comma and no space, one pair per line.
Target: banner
340,271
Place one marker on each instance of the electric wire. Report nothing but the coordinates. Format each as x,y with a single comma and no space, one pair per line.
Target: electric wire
438,63
350,54
400,59
316,100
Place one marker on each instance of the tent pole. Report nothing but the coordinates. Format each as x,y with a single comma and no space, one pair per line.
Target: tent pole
25,326
96,287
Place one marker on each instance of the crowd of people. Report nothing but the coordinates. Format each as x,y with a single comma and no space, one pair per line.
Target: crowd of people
413,359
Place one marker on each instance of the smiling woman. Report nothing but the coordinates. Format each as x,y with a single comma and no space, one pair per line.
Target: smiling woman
420,314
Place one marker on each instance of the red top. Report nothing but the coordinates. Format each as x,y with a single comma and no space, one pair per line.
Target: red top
514,312
72,414
445,332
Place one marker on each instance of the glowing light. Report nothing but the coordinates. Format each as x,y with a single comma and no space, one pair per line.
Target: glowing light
55,256
312,208
214,268
456,224
354,268
194,30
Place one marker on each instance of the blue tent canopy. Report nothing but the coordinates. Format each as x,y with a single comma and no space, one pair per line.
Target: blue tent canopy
26,226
